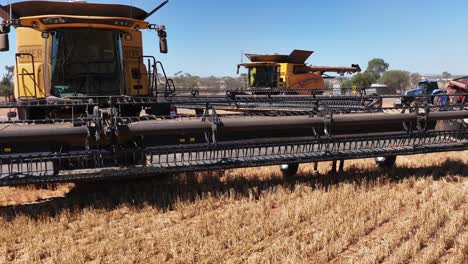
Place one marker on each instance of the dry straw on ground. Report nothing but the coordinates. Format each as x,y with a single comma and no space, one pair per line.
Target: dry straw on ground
416,213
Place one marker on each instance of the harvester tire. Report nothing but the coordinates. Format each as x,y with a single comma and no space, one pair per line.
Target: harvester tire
385,162
289,170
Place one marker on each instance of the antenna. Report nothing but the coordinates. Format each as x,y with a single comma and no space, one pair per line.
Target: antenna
11,11
131,9
157,8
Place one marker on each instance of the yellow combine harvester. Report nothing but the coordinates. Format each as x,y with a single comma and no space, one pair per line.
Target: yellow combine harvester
73,50
90,107
289,72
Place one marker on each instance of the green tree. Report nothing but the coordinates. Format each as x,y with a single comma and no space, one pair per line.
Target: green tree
397,80
360,80
347,83
328,84
363,80
446,75
415,78
186,81
244,77
211,83
376,67
232,83
346,86
6,83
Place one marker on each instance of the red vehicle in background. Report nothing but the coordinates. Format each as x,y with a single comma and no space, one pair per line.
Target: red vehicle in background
457,94
458,86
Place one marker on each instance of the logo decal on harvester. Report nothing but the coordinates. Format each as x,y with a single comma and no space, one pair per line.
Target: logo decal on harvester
37,51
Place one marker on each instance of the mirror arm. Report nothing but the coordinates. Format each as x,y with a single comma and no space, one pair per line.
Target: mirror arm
162,33
5,27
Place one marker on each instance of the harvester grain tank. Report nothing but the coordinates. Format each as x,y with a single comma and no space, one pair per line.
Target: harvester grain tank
91,105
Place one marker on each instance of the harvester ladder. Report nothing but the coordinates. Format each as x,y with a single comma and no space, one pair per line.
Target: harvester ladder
31,75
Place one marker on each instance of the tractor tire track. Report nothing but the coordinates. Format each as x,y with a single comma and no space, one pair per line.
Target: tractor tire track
458,253
444,239
437,217
370,235
405,220
285,232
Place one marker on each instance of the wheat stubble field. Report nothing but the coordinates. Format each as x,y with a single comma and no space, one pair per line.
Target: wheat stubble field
416,213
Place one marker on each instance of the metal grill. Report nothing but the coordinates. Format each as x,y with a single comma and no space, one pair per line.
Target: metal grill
44,167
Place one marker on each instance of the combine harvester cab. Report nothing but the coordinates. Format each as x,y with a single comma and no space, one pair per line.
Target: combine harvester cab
91,106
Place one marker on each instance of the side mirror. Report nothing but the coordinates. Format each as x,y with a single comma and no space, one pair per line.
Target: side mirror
4,42
162,41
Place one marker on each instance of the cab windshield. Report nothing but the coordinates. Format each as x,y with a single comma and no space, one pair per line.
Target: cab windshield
265,77
86,62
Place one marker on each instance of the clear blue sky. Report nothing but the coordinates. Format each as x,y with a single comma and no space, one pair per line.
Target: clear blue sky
206,36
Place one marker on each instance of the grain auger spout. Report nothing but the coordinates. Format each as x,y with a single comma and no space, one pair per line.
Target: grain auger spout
87,106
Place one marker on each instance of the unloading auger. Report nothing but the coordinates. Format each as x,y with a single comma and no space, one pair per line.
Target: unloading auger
86,107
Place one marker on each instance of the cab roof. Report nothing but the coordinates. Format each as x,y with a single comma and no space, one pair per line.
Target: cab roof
42,8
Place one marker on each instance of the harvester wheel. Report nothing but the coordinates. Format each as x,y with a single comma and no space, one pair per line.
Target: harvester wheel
289,170
385,162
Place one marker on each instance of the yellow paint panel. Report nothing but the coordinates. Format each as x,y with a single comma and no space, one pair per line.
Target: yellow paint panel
36,50
30,85
133,52
29,78
283,75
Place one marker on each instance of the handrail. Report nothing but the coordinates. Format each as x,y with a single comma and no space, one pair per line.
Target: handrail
33,74
170,88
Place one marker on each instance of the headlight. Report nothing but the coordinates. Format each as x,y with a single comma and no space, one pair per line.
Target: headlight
53,20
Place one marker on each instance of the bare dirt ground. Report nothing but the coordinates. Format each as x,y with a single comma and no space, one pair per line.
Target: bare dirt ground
415,213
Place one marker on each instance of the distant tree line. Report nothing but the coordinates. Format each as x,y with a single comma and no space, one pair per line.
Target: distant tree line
186,81
376,72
